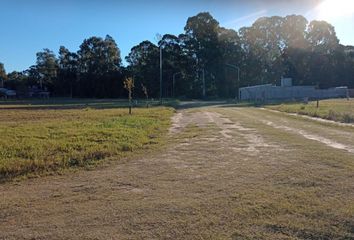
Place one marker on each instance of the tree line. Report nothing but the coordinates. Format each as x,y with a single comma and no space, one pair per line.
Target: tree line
206,56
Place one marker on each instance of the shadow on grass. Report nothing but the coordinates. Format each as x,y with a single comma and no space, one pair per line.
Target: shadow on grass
259,104
198,104
70,104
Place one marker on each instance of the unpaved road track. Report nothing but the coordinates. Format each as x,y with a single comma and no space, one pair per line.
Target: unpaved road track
227,173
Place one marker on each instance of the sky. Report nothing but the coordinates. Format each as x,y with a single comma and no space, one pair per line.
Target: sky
28,26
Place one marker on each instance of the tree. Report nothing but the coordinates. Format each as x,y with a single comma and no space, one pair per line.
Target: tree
272,47
47,66
322,37
99,64
67,77
98,56
325,53
231,52
143,62
295,54
201,42
264,42
3,75
129,86
17,80
172,60
293,32
33,77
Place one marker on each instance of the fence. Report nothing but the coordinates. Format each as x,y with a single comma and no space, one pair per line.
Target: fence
271,92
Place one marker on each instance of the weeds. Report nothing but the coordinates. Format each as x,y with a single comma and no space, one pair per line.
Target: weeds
35,141
338,110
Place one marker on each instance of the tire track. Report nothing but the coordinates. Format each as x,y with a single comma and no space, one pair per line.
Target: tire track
326,141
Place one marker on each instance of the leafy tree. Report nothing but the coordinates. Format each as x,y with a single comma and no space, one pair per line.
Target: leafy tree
99,56
16,80
143,62
3,75
47,66
263,40
272,47
98,67
293,32
295,54
33,77
172,60
324,54
231,52
201,41
322,37
67,77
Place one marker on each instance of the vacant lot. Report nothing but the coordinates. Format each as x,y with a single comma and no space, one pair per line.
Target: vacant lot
340,110
41,138
225,173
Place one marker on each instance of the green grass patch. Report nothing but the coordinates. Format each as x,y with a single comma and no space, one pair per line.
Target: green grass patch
340,110
34,141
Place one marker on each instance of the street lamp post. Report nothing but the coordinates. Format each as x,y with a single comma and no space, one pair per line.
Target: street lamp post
174,83
203,81
204,91
161,75
238,72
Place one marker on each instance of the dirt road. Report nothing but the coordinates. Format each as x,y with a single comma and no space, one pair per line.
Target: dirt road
226,173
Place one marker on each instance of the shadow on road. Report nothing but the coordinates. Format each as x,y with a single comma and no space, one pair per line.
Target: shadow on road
198,104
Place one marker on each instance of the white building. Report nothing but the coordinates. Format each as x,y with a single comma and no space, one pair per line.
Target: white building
287,92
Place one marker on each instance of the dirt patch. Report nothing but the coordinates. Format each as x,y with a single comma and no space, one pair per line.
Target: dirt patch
176,123
230,130
183,119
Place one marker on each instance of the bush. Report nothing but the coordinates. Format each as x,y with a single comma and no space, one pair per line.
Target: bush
348,118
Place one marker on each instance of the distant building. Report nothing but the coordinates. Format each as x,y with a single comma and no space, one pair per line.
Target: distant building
287,92
7,93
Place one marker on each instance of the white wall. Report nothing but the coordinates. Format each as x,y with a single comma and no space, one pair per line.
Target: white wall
270,92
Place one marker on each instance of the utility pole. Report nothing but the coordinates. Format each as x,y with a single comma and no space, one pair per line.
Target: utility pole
161,75
174,83
204,92
238,74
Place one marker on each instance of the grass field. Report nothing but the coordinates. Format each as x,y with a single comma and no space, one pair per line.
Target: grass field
340,110
38,138
224,173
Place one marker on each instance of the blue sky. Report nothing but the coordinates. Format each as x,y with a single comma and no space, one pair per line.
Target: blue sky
28,26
